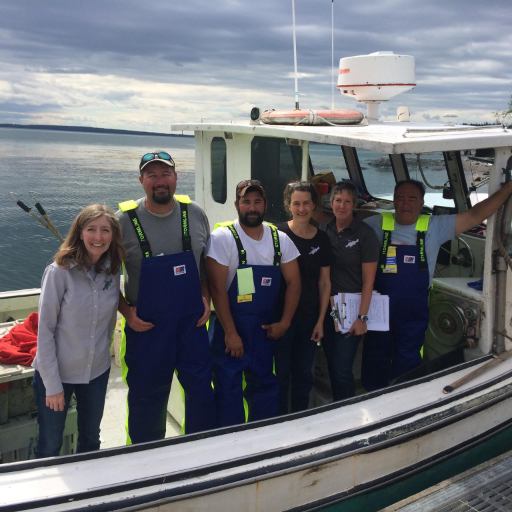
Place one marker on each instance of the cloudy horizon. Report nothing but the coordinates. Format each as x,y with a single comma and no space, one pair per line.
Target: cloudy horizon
144,65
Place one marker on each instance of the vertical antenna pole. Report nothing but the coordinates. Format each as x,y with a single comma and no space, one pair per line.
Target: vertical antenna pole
332,52
295,59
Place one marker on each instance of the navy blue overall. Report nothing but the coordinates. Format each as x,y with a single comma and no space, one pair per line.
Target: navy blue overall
170,297
249,313
405,278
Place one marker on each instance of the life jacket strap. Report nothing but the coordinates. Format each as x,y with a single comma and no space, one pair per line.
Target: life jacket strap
388,225
130,207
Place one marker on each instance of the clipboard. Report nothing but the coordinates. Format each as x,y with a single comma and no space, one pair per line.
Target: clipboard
335,314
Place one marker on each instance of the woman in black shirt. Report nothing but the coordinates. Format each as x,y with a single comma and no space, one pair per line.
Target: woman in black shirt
295,351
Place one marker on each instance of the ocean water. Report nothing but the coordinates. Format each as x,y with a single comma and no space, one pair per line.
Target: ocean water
69,170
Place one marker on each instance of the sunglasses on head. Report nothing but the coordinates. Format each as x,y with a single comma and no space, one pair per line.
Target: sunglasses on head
248,183
305,184
157,156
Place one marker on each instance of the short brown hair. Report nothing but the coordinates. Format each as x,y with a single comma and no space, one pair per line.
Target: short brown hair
347,185
298,186
73,248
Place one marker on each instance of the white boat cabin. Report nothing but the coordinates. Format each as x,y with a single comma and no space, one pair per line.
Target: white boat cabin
375,156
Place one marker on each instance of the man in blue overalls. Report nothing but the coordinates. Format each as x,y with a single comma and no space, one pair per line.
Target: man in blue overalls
166,305
245,260
410,244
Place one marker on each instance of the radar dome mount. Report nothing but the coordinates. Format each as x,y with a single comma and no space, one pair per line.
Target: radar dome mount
375,78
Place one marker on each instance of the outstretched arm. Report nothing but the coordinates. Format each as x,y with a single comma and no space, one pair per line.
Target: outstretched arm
482,210
217,277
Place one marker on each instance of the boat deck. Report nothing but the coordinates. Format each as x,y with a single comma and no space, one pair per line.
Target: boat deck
486,487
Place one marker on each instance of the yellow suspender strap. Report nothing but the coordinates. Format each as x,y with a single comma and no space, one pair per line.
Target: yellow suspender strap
422,223
128,205
182,199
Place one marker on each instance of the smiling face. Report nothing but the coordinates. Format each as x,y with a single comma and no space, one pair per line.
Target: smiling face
301,206
408,204
343,207
251,209
159,182
97,237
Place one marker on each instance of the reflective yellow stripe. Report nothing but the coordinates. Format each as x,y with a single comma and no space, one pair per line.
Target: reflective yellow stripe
128,205
422,223
388,221
224,224
182,199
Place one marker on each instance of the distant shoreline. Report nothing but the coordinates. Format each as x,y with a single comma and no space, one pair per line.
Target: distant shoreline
87,129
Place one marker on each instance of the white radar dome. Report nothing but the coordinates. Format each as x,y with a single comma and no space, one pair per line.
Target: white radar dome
376,77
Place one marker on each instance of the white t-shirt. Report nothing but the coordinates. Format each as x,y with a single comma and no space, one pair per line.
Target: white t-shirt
222,248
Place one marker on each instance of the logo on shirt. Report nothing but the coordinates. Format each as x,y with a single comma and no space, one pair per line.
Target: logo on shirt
266,281
351,243
409,259
314,250
180,270
107,284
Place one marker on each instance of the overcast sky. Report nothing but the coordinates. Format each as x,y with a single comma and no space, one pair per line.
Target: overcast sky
140,65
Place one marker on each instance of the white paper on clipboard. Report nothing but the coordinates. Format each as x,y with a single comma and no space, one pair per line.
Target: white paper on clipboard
348,305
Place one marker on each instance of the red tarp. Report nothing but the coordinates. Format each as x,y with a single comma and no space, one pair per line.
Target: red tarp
18,346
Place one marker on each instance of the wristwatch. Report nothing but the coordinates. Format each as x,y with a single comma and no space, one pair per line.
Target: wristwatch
364,318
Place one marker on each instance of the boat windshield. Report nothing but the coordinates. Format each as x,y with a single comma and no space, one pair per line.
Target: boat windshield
326,157
430,169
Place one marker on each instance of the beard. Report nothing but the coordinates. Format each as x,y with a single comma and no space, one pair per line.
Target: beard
162,199
252,222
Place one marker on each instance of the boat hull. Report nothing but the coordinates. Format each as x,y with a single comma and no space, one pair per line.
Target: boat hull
362,454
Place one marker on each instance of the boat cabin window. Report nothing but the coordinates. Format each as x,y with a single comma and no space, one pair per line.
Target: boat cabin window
275,164
377,172
218,162
431,171
326,157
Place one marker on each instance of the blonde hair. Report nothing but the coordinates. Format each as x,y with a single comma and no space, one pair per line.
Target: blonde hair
73,248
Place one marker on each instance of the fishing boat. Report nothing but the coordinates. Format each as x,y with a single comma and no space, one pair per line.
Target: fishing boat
365,452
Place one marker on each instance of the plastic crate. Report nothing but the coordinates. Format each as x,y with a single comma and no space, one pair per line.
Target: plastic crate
18,437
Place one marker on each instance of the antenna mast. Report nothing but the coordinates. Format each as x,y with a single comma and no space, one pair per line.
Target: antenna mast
332,52
295,59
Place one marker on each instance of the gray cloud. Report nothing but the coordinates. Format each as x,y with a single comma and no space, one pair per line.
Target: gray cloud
125,63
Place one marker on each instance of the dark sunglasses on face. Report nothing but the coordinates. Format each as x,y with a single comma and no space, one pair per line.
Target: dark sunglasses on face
157,156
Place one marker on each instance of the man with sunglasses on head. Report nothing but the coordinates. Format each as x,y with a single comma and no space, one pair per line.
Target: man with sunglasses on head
245,260
167,304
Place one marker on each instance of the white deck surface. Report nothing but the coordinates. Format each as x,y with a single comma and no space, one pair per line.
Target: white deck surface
113,431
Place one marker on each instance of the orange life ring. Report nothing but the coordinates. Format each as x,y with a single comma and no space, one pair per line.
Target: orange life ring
312,117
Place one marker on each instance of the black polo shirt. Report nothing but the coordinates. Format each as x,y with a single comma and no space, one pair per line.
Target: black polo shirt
351,247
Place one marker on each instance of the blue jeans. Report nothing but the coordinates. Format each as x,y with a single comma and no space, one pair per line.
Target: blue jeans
90,400
340,351
294,354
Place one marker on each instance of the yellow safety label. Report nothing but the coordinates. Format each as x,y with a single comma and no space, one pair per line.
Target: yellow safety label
391,267
244,298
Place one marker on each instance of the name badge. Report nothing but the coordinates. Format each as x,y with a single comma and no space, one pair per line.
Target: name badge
266,281
409,259
244,298
180,270
390,267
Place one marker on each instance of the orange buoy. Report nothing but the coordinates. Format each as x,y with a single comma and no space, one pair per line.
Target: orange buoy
312,117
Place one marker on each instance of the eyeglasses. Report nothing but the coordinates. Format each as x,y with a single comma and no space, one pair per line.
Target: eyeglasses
157,156
248,183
